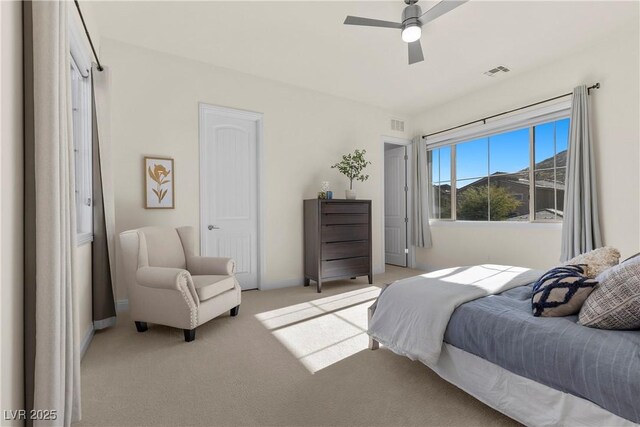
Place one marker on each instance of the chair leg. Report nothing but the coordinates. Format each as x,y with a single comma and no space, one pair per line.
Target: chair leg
189,334
141,326
234,311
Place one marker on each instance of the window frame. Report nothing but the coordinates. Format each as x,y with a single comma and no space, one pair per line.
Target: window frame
80,63
527,120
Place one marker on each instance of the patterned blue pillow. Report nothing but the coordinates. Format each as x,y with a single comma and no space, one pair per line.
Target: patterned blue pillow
561,291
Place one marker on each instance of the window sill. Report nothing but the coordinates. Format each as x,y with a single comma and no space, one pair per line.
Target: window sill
84,238
496,224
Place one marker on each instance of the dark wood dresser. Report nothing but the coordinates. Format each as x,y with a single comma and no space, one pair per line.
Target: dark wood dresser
337,240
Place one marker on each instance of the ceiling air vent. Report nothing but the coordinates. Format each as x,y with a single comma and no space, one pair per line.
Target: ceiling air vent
498,69
397,125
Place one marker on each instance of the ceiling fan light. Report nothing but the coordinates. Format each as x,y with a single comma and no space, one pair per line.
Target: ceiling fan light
411,33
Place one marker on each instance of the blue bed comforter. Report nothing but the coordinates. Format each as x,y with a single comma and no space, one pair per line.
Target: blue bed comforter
600,366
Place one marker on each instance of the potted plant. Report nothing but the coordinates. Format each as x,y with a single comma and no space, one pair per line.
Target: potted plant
352,166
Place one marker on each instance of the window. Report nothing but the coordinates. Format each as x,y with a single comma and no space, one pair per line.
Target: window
81,105
514,175
441,183
551,142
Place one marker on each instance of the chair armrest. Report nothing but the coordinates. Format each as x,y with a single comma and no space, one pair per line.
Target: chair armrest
165,295
201,265
162,277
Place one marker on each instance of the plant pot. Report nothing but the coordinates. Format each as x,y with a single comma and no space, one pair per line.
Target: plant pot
350,194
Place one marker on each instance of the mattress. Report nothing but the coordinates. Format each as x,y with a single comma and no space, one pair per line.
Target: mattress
526,401
600,366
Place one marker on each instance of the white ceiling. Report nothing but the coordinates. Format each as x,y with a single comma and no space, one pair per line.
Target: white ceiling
306,44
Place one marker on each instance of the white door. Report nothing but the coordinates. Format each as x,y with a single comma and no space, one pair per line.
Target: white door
229,190
395,206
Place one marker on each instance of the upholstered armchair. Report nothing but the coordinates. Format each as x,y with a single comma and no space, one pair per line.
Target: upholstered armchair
169,285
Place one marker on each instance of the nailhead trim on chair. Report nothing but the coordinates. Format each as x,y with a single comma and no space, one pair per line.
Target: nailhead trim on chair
193,309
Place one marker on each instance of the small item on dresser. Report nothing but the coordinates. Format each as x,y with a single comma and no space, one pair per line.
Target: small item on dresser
615,303
352,166
597,260
324,191
561,291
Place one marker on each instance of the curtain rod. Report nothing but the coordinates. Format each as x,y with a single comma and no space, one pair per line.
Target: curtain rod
484,120
86,31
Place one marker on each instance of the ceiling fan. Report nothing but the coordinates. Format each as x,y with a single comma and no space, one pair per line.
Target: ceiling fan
412,21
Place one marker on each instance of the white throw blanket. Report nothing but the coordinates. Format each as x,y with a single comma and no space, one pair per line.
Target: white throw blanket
412,315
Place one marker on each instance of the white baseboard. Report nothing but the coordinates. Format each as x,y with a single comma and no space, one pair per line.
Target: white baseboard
122,304
84,346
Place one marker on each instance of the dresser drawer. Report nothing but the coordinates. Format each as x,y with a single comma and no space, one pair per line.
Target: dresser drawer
345,208
345,267
344,250
344,233
342,219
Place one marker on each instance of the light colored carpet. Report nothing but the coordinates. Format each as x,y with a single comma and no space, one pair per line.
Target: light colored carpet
291,357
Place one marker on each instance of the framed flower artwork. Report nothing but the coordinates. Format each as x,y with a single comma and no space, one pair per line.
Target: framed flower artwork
159,183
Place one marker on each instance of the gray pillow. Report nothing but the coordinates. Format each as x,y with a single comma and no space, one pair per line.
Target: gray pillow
615,302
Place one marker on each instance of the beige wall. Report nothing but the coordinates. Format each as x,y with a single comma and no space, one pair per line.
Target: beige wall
11,225
614,62
155,100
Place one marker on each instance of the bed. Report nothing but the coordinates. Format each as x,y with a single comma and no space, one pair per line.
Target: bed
538,371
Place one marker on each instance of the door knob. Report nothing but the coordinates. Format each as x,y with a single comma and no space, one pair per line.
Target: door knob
213,227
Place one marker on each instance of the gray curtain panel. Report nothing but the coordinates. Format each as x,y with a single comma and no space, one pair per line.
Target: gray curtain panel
52,351
581,224
29,213
102,255
421,195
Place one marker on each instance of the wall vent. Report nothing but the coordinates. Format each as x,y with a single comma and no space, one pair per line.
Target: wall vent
397,125
499,69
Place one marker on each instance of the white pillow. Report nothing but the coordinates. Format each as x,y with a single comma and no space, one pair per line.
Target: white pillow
597,261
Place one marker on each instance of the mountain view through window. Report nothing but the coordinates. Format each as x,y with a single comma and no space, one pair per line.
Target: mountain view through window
492,179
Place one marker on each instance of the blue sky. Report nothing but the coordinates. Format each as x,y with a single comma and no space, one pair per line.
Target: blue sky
507,152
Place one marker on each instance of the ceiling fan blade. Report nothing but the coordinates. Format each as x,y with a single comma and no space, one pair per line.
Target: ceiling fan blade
356,20
415,52
440,9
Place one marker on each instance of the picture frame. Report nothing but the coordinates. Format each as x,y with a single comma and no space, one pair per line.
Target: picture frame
159,189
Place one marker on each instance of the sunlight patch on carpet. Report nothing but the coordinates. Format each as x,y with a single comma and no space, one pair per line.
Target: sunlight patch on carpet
322,332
